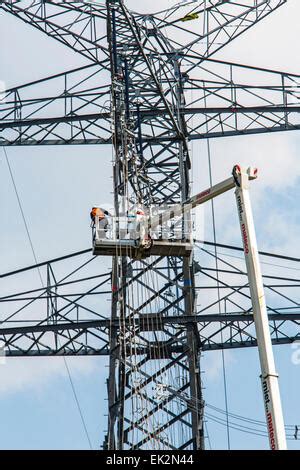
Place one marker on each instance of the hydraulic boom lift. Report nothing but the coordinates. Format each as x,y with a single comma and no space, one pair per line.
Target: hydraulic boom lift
144,244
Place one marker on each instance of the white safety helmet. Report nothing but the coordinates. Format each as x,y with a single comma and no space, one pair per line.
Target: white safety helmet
140,211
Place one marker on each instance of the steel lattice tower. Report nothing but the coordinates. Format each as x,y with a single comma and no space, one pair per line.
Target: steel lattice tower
164,90
157,173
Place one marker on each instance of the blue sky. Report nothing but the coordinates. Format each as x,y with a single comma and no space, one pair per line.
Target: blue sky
37,407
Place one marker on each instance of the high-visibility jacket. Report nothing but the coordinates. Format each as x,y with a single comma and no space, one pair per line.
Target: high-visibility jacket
98,212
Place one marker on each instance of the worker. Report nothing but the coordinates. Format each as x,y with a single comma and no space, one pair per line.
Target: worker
137,223
99,218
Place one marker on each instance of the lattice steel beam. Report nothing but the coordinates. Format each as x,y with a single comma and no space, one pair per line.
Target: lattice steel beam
81,25
208,26
78,25
223,101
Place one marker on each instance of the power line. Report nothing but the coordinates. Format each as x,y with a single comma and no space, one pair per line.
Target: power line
237,248
242,258
218,290
41,279
21,211
257,422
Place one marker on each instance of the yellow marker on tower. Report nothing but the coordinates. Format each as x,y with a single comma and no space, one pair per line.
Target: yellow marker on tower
190,17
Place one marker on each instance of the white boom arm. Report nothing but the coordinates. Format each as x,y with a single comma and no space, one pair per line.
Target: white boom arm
194,201
269,377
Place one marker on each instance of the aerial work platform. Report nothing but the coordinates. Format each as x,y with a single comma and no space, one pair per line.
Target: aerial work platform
158,231
153,231
132,249
140,233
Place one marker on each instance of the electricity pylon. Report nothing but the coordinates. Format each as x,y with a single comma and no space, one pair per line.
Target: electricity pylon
150,89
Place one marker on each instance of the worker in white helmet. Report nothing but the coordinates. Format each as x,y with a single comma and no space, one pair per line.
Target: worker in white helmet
136,222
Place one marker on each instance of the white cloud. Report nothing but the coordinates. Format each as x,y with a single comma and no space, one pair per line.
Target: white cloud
213,364
20,374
